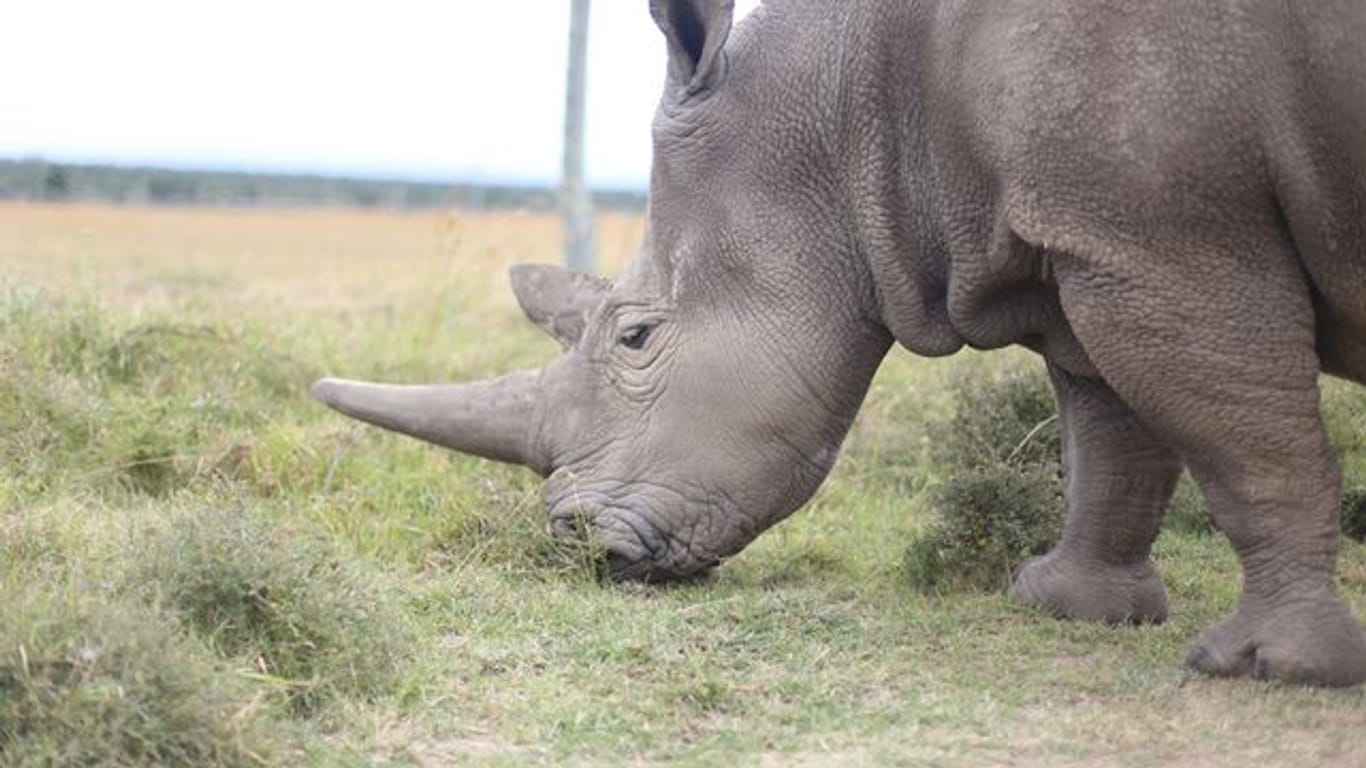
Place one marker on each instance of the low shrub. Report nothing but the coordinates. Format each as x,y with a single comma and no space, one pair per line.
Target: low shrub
1344,416
1003,502
1354,512
1188,513
1010,418
990,521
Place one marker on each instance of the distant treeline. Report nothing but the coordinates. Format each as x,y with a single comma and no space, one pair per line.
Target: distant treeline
36,180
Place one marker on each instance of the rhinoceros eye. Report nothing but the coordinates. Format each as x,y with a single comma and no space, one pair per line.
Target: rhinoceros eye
635,336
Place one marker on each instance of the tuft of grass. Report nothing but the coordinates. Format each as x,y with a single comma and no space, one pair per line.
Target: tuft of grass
124,406
298,609
508,531
89,681
28,545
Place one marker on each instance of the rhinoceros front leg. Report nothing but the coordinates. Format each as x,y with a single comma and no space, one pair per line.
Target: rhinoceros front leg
1119,480
1215,351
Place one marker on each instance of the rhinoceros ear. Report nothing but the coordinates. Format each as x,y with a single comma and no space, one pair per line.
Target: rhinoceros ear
557,299
696,31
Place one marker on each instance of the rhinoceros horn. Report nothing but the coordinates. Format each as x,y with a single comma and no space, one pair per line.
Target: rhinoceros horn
496,418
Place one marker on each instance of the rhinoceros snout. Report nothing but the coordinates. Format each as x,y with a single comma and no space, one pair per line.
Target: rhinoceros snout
629,550
625,565
633,530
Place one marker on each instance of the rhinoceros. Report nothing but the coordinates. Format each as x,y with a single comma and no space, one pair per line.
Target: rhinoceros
1165,200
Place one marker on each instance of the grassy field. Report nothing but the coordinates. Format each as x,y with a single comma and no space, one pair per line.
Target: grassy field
201,566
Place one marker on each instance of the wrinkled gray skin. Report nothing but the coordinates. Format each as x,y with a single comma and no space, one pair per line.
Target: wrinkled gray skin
1166,200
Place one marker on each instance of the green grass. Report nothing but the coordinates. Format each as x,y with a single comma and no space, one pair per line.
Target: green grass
308,614
200,566
86,680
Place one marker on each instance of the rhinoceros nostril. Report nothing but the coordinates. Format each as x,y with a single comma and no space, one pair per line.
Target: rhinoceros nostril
573,525
629,564
619,566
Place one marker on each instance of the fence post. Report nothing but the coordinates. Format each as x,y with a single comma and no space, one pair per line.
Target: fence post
575,205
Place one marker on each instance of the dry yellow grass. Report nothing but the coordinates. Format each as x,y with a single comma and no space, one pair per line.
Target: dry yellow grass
266,260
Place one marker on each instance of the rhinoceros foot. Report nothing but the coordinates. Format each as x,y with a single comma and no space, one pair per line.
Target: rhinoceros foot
1311,640
1095,592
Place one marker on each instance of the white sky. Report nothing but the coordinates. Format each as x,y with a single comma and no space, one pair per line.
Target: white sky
433,89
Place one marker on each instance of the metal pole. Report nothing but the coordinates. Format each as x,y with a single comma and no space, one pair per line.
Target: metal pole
575,204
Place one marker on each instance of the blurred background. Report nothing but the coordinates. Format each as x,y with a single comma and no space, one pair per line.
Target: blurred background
405,104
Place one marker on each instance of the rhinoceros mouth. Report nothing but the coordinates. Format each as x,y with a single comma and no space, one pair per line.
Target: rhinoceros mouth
635,544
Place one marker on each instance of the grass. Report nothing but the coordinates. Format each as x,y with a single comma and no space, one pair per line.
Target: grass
307,614
89,681
200,566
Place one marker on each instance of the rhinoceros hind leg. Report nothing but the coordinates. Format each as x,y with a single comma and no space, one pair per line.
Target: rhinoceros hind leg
1214,348
1120,478
1268,642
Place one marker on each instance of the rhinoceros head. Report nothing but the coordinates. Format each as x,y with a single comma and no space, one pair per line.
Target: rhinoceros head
703,396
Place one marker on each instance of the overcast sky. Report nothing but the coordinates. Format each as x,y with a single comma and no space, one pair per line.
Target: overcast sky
431,89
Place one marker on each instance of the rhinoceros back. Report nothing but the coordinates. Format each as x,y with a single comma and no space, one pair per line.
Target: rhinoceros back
1157,131
1317,149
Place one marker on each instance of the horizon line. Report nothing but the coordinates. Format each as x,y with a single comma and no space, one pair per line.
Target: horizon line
378,175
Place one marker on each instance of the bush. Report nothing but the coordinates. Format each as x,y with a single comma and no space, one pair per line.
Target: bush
87,681
1344,415
991,520
1354,512
1010,418
1188,513
293,607
1003,503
